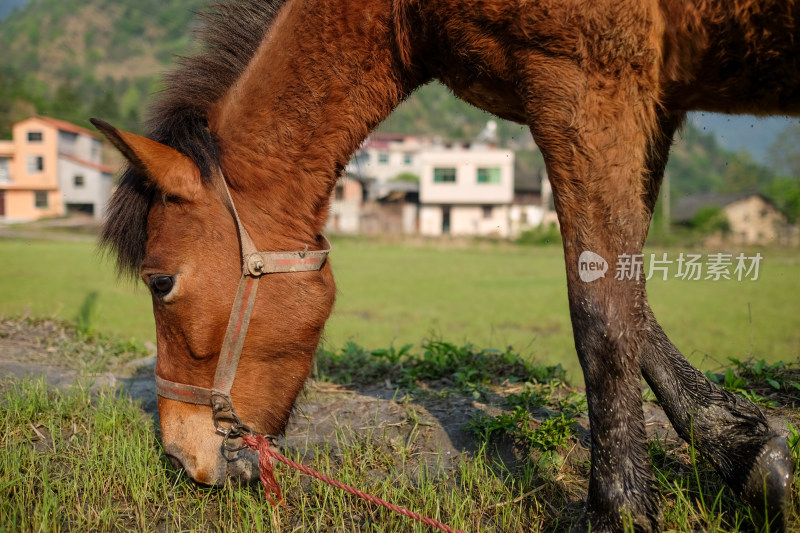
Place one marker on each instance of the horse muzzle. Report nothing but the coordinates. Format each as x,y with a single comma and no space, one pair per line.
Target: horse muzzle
202,453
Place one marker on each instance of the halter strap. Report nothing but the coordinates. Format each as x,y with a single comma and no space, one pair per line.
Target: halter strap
254,265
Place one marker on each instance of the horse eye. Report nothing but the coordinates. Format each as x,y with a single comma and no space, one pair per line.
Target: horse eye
161,285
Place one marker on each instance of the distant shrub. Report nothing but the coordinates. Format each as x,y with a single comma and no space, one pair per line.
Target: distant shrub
541,235
710,219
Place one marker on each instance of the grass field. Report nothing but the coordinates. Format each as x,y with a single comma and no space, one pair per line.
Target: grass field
83,459
489,294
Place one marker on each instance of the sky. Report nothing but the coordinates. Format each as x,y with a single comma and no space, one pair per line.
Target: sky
744,132
7,5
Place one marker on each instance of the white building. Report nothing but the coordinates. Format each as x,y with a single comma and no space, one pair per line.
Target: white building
384,157
465,191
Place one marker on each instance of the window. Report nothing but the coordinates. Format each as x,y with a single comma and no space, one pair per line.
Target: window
35,136
444,175
35,164
489,175
487,211
383,157
407,159
5,174
97,148
67,141
78,181
40,199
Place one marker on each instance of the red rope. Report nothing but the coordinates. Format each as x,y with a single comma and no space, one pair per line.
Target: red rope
262,447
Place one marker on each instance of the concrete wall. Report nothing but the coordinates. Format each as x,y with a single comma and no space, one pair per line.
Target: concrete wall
20,205
345,210
524,217
754,221
465,220
96,187
466,189
24,150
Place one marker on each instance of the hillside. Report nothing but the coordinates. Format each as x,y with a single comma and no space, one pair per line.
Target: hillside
73,59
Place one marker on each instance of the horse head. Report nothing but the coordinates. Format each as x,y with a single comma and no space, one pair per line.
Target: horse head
191,264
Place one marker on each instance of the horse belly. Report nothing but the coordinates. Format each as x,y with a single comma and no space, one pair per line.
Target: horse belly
493,97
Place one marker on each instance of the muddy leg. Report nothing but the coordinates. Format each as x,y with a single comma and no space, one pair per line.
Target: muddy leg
594,134
731,432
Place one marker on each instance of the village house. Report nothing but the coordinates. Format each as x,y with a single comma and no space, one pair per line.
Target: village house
52,168
418,185
751,217
465,190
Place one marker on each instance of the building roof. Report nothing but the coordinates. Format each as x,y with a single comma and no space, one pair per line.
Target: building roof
63,125
96,166
688,206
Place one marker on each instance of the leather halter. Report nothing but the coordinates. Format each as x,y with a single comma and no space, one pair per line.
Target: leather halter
254,265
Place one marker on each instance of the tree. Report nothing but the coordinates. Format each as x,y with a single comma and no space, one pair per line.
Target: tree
784,153
106,106
785,194
742,174
67,103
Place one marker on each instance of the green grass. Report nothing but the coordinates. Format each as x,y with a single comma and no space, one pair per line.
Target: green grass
70,280
77,460
74,461
488,294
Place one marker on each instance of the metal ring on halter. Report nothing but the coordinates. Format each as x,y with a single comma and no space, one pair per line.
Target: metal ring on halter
235,431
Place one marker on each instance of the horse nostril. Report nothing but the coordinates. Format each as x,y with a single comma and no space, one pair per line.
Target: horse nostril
175,462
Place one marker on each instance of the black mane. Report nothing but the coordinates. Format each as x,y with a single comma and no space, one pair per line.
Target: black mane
231,35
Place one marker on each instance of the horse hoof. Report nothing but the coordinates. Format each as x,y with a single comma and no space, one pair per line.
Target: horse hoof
593,522
768,488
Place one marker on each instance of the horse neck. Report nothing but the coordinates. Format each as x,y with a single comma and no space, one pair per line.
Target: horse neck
322,78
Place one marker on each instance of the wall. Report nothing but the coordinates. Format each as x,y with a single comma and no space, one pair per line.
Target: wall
47,148
466,189
20,205
430,220
753,221
345,209
96,185
465,220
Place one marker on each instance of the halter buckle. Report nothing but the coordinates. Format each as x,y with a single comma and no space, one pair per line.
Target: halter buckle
226,422
255,265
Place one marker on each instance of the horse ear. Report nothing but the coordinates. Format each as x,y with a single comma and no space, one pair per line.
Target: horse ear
170,171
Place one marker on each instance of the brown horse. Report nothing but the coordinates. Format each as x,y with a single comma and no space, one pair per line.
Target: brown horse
287,90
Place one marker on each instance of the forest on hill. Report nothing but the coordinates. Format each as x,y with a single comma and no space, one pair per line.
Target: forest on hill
73,59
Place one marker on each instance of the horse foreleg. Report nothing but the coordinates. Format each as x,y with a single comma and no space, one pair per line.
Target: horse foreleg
729,431
594,135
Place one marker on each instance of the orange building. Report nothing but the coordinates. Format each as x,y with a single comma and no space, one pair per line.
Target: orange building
51,168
